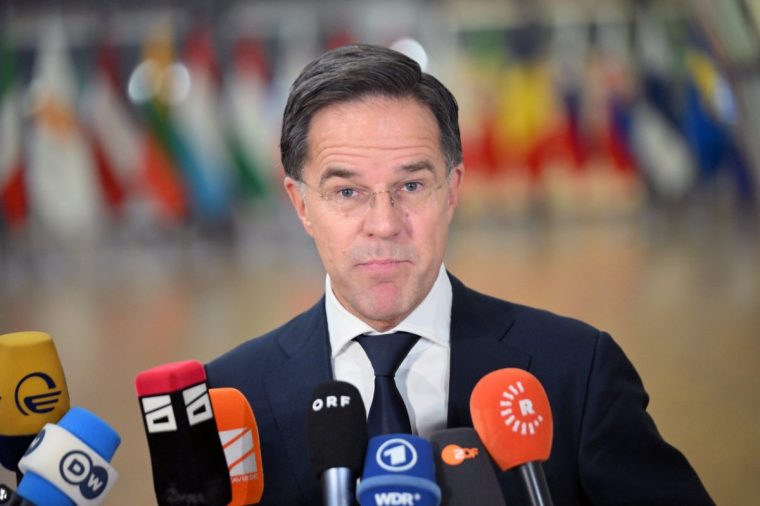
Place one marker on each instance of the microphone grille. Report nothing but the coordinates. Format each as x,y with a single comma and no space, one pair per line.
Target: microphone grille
511,414
337,426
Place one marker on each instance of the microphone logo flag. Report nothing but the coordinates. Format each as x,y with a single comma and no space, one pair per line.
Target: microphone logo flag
518,411
159,415
239,452
396,455
197,404
454,455
38,396
76,468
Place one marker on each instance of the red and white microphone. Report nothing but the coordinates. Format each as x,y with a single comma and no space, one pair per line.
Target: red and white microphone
511,414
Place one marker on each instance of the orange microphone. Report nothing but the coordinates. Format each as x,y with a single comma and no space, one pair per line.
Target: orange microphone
240,438
512,416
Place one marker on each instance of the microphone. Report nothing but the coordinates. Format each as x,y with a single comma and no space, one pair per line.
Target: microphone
399,470
186,454
9,498
240,439
32,391
70,462
512,416
337,430
464,470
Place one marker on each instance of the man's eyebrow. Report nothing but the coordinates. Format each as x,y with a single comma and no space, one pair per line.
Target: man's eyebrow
343,172
336,172
418,166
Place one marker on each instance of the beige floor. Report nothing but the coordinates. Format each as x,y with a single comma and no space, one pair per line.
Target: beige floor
684,302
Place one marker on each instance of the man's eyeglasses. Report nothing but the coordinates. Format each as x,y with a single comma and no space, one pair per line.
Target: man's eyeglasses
352,201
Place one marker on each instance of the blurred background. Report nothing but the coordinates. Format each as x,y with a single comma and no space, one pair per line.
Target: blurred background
613,165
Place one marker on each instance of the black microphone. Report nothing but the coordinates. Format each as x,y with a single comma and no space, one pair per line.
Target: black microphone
464,470
186,454
10,498
337,440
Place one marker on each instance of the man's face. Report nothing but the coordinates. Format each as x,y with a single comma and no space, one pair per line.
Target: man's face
382,257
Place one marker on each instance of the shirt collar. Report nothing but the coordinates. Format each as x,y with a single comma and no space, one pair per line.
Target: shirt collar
431,320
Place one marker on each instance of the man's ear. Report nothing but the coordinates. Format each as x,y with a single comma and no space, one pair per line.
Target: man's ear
299,204
455,185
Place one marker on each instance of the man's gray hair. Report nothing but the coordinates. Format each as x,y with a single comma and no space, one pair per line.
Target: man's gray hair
354,72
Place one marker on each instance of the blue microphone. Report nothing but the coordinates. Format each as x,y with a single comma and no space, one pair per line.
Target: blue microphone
399,469
68,463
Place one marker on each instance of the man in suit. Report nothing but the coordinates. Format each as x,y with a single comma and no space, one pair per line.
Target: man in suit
373,163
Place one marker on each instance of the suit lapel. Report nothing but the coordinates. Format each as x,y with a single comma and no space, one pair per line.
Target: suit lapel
289,388
479,326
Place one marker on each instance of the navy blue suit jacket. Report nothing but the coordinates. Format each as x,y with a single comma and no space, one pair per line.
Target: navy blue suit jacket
606,448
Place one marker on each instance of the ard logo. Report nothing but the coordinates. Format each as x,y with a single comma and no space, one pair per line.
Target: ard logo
396,455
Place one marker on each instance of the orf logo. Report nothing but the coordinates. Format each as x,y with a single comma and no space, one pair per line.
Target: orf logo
38,393
76,468
396,455
517,410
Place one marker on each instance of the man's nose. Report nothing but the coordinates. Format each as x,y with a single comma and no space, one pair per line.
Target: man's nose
384,218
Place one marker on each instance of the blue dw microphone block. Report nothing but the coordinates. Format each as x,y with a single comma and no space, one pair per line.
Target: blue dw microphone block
399,470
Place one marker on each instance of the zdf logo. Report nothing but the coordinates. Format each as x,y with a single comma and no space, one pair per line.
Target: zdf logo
454,455
396,455
77,469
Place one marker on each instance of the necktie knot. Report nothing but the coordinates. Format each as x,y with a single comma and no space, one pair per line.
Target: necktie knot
387,351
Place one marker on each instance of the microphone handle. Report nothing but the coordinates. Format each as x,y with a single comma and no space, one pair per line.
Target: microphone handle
339,487
534,484
10,498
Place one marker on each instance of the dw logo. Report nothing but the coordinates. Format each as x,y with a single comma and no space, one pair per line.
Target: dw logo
76,468
37,392
396,455
35,442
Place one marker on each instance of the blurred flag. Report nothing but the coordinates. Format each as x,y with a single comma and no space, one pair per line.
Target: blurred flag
710,138
251,134
529,115
658,143
197,142
151,86
62,181
13,201
662,153
125,157
113,137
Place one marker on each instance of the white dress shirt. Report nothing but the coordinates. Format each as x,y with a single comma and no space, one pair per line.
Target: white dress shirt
423,376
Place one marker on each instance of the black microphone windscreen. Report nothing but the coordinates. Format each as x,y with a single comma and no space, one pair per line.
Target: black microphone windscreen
337,427
464,469
10,498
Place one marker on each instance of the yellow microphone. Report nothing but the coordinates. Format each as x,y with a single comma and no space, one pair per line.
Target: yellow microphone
32,391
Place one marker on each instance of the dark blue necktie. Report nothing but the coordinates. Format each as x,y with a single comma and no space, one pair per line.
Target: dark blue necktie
388,414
